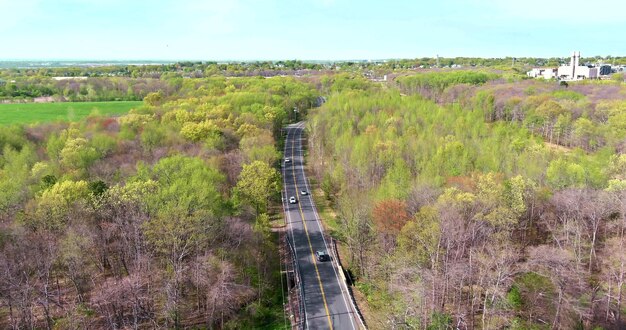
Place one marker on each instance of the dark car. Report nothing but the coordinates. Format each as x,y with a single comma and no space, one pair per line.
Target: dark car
322,256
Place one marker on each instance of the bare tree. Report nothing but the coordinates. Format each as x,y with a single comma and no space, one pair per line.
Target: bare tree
357,229
556,265
126,302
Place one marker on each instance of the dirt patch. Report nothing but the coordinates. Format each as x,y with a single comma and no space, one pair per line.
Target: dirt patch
557,147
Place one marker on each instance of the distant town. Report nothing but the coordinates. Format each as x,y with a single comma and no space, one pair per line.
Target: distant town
575,71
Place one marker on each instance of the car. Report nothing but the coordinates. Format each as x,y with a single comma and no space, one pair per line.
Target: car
304,192
322,256
287,160
292,200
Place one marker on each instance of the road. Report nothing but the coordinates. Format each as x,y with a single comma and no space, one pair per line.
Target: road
327,301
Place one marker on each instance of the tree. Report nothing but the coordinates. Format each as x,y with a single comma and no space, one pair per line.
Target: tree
55,204
259,147
389,216
585,133
555,265
152,136
74,256
154,99
614,269
562,173
258,182
203,131
186,210
357,229
78,154
397,181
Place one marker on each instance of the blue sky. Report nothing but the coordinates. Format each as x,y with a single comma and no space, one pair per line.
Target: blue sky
307,29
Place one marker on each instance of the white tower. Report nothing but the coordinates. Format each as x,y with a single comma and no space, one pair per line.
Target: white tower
572,64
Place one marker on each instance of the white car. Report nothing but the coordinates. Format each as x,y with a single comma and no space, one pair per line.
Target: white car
292,200
287,160
304,192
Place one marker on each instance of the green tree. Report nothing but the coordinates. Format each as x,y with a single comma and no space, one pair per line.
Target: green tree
186,213
152,136
258,182
15,170
420,238
561,174
55,204
78,154
397,182
154,99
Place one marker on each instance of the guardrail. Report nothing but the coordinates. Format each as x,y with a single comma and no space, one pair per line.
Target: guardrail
333,247
302,324
299,285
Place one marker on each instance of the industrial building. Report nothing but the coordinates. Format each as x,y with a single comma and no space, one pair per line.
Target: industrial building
545,73
575,71
571,72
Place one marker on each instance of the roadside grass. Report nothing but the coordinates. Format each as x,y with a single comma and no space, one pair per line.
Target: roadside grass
324,207
325,210
33,113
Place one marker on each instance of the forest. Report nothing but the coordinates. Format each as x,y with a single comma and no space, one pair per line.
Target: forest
478,200
23,81
159,218
470,199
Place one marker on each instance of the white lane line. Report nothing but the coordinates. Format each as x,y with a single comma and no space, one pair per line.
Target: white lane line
306,184
319,278
293,238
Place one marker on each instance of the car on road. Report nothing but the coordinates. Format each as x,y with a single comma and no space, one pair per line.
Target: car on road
304,192
322,256
292,200
287,160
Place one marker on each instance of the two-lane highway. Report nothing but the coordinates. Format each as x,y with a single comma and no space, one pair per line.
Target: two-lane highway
327,302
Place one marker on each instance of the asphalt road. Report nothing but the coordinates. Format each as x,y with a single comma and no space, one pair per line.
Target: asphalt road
327,301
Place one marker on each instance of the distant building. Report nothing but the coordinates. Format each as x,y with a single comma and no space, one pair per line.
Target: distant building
545,73
575,71
68,78
605,70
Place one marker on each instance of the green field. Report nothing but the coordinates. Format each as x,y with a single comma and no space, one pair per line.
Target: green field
30,113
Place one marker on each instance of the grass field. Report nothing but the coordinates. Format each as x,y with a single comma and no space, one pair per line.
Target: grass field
31,113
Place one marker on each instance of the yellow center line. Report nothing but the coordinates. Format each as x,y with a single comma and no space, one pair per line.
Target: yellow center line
306,231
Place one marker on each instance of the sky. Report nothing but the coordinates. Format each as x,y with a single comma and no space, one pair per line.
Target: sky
307,29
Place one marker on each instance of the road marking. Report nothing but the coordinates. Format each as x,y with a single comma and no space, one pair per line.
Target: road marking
317,219
295,251
306,231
